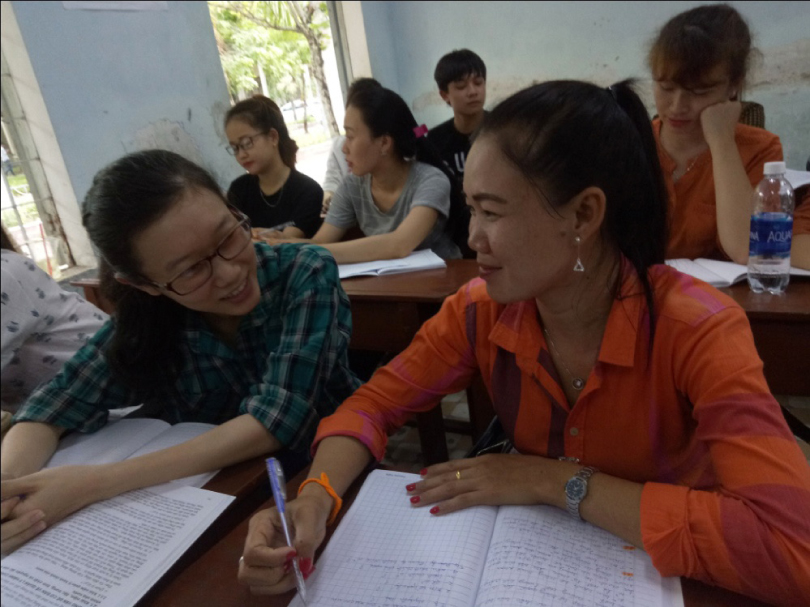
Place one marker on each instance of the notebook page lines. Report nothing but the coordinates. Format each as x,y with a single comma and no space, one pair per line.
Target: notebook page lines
540,556
388,553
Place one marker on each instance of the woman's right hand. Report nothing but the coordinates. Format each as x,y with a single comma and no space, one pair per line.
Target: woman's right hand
266,564
16,531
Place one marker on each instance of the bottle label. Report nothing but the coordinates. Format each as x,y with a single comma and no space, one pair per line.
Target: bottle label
771,234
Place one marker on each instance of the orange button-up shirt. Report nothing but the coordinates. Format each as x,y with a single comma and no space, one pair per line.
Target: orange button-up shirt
692,200
726,495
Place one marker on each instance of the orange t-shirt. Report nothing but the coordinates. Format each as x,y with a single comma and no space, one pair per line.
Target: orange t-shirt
801,215
726,495
692,208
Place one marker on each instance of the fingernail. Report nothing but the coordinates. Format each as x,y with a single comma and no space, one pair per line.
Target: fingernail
423,472
290,555
308,574
306,565
410,487
37,515
41,526
434,510
414,500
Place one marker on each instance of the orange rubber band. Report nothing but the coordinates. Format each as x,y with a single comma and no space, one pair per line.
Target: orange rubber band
324,483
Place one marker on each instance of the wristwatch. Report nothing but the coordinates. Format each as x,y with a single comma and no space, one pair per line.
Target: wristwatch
576,489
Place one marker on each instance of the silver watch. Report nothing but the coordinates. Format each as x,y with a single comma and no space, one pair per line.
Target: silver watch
576,489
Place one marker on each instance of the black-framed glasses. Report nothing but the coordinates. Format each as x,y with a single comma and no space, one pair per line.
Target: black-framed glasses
197,275
244,143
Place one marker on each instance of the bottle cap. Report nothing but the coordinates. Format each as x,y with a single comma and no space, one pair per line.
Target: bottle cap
775,168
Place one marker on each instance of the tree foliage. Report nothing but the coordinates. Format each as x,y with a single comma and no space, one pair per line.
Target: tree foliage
279,39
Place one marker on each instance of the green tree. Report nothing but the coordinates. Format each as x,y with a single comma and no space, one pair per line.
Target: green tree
308,20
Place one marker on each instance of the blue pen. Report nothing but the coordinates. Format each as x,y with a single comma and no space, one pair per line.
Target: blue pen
279,487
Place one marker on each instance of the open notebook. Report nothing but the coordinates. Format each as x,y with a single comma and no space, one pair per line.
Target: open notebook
718,273
387,553
110,553
418,260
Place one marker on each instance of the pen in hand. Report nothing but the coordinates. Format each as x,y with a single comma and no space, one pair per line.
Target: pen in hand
279,486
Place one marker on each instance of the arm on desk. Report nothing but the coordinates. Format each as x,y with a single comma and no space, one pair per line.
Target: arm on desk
61,491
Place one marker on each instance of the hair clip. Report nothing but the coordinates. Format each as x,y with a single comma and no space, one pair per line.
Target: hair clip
420,131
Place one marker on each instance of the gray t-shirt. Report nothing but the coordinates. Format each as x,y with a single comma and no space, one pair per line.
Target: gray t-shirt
352,205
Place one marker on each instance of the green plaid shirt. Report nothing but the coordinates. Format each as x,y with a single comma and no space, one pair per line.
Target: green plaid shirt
289,367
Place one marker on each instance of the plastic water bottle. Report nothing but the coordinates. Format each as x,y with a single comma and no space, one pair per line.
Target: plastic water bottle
771,232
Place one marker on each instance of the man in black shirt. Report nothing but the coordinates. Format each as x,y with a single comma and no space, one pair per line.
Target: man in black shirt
462,80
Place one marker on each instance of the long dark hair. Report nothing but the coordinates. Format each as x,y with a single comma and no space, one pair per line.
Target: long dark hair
263,113
386,113
127,197
565,136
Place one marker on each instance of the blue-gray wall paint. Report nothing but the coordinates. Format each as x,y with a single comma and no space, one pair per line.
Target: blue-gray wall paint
119,81
603,42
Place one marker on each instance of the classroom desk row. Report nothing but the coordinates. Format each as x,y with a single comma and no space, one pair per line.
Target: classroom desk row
207,574
387,311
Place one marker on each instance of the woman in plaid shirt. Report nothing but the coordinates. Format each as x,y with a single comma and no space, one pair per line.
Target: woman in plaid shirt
208,328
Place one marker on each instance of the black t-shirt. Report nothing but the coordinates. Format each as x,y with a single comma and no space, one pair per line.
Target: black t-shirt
297,203
451,145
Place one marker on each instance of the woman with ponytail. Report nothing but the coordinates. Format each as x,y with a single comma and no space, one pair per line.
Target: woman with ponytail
398,193
279,200
633,394
207,327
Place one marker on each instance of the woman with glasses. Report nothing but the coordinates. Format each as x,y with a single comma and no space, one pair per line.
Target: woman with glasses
279,201
208,327
710,161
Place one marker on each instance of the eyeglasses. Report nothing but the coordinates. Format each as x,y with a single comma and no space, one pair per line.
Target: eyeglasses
245,143
196,276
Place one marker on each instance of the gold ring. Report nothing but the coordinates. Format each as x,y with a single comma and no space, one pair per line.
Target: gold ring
458,475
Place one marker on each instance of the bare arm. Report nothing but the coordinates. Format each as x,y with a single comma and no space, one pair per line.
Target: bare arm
61,491
397,244
800,251
27,447
733,191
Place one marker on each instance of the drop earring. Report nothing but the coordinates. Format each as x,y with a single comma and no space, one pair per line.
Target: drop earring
578,267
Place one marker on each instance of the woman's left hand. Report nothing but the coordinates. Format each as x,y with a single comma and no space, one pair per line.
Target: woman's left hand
719,121
494,479
57,492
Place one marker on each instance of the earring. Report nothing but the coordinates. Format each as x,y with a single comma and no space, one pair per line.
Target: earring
578,267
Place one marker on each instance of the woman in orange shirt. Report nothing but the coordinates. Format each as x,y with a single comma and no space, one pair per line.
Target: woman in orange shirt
710,161
605,367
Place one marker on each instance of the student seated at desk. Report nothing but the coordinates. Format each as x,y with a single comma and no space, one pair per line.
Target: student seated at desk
277,198
800,249
608,369
399,192
711,162
207,326
336,167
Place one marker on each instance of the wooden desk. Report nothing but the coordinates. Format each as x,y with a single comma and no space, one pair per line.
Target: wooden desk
208,577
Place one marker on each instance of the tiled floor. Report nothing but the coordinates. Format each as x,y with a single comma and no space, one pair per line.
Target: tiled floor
404,451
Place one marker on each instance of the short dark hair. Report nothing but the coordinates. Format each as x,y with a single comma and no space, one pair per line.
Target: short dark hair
263,113
456,65
360,84
692,43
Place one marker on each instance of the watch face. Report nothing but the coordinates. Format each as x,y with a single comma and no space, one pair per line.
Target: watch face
575,488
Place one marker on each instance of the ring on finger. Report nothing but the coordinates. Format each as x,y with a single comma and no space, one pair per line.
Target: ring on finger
458,475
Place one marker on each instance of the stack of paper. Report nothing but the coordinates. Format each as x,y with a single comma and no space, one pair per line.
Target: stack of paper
418,260
717,273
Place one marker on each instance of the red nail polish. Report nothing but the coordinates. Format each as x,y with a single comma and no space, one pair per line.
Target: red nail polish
414,499
423,472
410,487
434,510
306,565
290,555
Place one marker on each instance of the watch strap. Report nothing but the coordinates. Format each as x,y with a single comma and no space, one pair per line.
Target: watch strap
580,479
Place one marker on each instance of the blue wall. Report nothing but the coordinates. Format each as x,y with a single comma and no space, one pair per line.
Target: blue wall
602,42
119,81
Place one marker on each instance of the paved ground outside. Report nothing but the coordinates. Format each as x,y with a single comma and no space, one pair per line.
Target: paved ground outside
311,161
